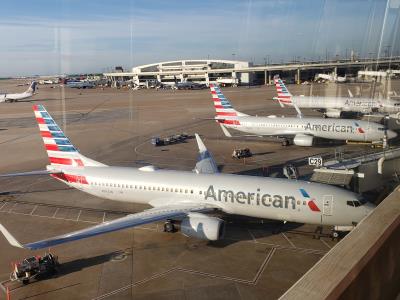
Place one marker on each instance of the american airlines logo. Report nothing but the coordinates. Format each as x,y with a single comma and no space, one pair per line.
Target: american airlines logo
331,128
360,103
267,200
240,197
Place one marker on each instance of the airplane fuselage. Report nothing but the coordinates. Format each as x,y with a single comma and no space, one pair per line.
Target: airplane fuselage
269,198
335,129
347,104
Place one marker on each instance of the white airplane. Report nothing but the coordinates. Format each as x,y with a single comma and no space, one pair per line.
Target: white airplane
183,198
19,96
333,107
301,131
331,78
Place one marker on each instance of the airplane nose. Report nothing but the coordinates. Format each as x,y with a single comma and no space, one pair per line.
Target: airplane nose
368,207
391,134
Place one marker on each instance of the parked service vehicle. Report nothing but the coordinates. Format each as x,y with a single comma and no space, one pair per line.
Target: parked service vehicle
34,267
241,153
172,139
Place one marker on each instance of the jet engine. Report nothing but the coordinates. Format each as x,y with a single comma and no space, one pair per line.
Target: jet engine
333,113
303,140
203,227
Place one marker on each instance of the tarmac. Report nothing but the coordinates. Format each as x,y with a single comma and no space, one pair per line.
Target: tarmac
257,259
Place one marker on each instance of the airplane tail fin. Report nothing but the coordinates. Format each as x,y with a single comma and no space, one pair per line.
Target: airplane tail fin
60,150
284,97
32,87
224,109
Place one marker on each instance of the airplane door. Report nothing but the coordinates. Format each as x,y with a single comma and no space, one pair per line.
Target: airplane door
327,206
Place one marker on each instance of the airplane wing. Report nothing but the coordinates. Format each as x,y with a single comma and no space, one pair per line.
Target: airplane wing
206,163
133,220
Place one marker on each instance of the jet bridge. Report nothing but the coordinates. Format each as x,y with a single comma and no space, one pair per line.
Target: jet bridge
363,172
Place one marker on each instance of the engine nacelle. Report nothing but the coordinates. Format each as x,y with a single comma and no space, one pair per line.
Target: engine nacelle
203,227
303,140
333,113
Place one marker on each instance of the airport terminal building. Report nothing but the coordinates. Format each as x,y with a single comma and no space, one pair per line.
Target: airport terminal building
199,71
233,72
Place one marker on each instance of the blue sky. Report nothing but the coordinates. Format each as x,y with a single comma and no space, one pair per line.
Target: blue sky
71,36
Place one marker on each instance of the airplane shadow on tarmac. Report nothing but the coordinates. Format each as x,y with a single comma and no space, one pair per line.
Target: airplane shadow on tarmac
241,228
12,193
83,263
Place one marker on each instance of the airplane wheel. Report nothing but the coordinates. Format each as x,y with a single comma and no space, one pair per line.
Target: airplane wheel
169,227
285,143
335,234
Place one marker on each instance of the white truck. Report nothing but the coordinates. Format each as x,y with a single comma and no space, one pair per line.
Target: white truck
223,81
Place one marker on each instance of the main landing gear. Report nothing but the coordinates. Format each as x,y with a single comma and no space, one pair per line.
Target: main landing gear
286,142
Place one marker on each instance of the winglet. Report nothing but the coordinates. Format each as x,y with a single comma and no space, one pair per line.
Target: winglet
205,163
10,238
200,143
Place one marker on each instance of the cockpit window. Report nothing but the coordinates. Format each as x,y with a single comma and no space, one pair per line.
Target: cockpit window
354,203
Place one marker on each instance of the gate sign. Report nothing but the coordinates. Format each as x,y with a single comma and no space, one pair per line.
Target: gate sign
315,161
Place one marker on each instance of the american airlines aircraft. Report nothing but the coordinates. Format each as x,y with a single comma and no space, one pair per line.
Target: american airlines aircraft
333,107
183,198
19,96
301,131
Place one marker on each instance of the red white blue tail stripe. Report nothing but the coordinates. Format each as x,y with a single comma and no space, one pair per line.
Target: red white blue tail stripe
283,94
59,148
225,113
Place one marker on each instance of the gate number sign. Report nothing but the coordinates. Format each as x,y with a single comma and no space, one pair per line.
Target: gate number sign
315,161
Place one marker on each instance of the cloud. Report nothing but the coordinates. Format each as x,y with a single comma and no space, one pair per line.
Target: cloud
134,35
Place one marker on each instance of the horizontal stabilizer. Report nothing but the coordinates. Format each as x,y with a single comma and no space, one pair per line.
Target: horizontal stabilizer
279,101
225,131
31,173
299,113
